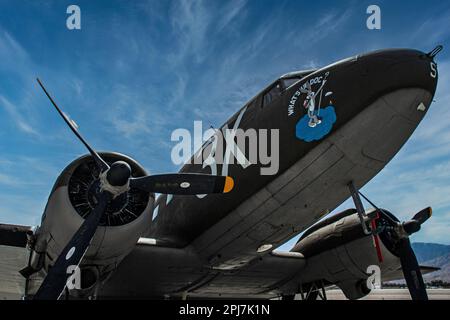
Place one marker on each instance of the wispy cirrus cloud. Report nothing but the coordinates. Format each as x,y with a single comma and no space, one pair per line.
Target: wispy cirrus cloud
15,62
431,31
14,113
325,25
12,53
232,10
190,21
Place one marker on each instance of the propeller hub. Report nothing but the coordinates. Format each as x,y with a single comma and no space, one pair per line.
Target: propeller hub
119,174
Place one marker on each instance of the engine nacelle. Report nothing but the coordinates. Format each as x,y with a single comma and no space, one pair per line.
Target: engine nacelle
339,252
128,217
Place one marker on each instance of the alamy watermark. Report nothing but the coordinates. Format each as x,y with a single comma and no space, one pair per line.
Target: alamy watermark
227,146
73,21
374,279
74,280
374,20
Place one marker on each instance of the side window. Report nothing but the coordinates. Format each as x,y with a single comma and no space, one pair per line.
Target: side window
272,94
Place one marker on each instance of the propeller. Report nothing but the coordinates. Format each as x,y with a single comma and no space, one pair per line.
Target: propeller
116,179
184,183
398,235
72,125
57,277
423,215
411,271
408,260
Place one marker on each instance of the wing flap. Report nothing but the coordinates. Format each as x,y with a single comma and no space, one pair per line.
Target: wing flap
14,235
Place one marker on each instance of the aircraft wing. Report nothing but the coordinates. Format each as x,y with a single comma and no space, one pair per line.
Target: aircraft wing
153,271
14,257
12,283
14,235
338,252
398,274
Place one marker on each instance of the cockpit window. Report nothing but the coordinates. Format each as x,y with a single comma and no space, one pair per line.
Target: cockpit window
289,82
272,94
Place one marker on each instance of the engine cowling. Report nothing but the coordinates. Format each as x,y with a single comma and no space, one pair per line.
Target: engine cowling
340,253
128,217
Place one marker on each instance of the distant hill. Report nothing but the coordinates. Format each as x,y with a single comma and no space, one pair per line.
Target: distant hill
429,251
442,262
434,255
431,255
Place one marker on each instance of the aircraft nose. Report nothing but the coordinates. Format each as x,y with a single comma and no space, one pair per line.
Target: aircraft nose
401,68
392,70
391,93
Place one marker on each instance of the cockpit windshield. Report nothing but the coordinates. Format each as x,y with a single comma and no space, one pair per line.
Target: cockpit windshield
290,78
272,94
289,82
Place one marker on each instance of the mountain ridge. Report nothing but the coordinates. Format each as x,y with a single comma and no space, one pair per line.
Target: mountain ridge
434,255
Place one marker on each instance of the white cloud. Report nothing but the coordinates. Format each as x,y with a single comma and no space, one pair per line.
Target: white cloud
432,31
190,21
325,25
136,124
11,51
7,180
231,11
14,112
21,209
17,65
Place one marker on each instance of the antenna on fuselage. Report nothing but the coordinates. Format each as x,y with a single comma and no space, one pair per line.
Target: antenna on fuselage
433,53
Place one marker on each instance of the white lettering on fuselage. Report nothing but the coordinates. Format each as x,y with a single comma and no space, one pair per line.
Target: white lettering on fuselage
226,147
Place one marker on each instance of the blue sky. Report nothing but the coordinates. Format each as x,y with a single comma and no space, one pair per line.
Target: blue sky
138,70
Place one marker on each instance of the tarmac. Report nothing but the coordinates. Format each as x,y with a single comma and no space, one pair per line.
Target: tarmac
392,294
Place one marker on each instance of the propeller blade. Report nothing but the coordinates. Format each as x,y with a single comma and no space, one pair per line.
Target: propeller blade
184,183
411,271
411,226
423,215
57,276
100,162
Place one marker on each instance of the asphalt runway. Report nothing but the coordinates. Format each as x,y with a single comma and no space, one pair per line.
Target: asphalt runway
392,294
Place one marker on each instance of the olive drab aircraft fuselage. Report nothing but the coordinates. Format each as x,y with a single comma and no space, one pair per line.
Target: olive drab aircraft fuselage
347,88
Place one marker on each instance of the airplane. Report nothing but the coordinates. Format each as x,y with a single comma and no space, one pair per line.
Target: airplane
338,128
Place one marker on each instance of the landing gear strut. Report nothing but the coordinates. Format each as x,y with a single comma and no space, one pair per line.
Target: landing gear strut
310,292
363,217
314,292
359,207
